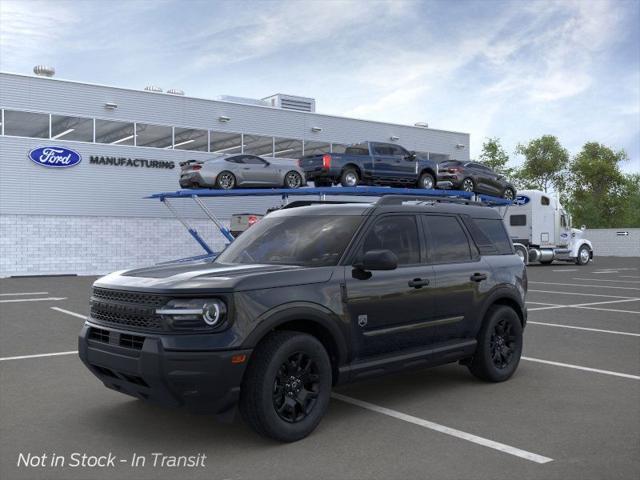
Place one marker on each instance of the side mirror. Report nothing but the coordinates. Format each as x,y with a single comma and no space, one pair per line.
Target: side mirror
378,260
411,156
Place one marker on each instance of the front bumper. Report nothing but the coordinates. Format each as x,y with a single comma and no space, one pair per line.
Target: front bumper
139,365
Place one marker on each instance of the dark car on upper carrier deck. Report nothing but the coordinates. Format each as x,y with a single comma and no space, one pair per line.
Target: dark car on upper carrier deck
308,298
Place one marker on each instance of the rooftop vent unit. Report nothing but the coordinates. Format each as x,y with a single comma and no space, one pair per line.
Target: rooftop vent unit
153,88
291,102
44,71
243,100
175,91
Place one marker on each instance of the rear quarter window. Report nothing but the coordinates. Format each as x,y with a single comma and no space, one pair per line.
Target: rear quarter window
447,240
490,235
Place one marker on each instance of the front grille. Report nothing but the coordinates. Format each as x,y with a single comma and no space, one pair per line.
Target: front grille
137,298
131,341
127,309
99,335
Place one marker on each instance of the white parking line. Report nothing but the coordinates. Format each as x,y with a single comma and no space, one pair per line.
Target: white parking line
614,332
611,310
629,276
446,430
22,293
47,299
581,294
566,270
587,286
580,367
73,314
553,306
22,357
603,280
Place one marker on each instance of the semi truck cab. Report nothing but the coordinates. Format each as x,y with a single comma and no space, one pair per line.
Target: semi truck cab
541,230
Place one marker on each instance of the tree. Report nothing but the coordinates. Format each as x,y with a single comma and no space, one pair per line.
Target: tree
545,163
599,194
494,156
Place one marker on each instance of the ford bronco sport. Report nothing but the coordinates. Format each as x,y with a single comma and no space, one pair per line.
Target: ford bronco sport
308,298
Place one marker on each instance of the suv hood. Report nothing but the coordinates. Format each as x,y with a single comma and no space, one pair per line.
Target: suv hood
204,276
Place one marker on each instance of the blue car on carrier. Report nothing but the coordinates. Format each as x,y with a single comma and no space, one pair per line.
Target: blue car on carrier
371,163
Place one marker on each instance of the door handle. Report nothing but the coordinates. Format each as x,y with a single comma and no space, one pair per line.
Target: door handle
246,168
478,277
418,282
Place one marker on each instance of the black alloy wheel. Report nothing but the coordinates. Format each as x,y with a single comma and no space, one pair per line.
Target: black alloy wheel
468,185
296,387
293,180
502,344
499,345
286,388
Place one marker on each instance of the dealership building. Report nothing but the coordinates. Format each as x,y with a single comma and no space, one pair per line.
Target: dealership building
91,217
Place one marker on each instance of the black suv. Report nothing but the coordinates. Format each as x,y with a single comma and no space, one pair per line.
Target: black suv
475,177
308,298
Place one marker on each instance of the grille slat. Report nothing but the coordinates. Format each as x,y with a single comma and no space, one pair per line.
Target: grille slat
131,309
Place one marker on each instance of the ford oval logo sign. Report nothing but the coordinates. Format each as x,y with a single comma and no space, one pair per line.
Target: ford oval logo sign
55,157
521,200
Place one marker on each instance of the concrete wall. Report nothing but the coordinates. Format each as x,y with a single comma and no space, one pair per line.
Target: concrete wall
607,242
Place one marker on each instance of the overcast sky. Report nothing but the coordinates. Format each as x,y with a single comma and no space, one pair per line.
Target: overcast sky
510,69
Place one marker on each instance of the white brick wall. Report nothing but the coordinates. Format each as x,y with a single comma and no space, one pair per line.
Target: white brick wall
43,245
607,242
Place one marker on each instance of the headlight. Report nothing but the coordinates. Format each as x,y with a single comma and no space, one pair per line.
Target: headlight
194,314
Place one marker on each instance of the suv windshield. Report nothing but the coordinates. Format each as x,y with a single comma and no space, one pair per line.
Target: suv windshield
313,241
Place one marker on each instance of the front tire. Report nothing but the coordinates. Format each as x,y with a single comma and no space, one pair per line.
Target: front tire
293,180
468,185
427,181
499,345
287,386
584,255
225,180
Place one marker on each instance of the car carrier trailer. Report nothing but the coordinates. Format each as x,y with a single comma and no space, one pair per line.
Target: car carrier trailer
322,192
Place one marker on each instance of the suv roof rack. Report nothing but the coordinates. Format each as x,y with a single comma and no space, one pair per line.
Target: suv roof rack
388,196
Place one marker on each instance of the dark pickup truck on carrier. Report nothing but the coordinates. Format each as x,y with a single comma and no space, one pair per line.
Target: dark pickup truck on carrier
371,163
311,297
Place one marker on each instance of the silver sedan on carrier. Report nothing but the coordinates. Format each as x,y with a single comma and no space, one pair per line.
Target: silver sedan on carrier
231,171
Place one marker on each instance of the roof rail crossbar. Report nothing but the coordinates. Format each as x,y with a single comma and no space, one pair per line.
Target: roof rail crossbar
422,199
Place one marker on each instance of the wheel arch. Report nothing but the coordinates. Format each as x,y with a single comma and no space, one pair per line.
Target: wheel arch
507,298
355,167
314,320
430,171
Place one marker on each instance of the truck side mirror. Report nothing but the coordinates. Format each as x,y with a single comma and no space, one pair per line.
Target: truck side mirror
377,260
411,156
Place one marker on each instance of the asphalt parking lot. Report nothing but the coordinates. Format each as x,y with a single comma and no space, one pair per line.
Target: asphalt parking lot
571,411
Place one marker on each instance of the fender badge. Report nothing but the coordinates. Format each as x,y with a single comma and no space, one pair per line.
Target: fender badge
362,320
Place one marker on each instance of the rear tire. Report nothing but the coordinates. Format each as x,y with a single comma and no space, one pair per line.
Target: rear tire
349,178
427,181
225,180
499,345
286,389
509,194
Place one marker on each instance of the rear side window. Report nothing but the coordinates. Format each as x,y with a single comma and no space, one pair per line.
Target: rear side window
449,242
518,220
398,233
490,236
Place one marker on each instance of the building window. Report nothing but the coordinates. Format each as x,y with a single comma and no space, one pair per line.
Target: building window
115,133
226,143
316,148
258,145
191,139
26,124
157,136
287,148
338,148
71,128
